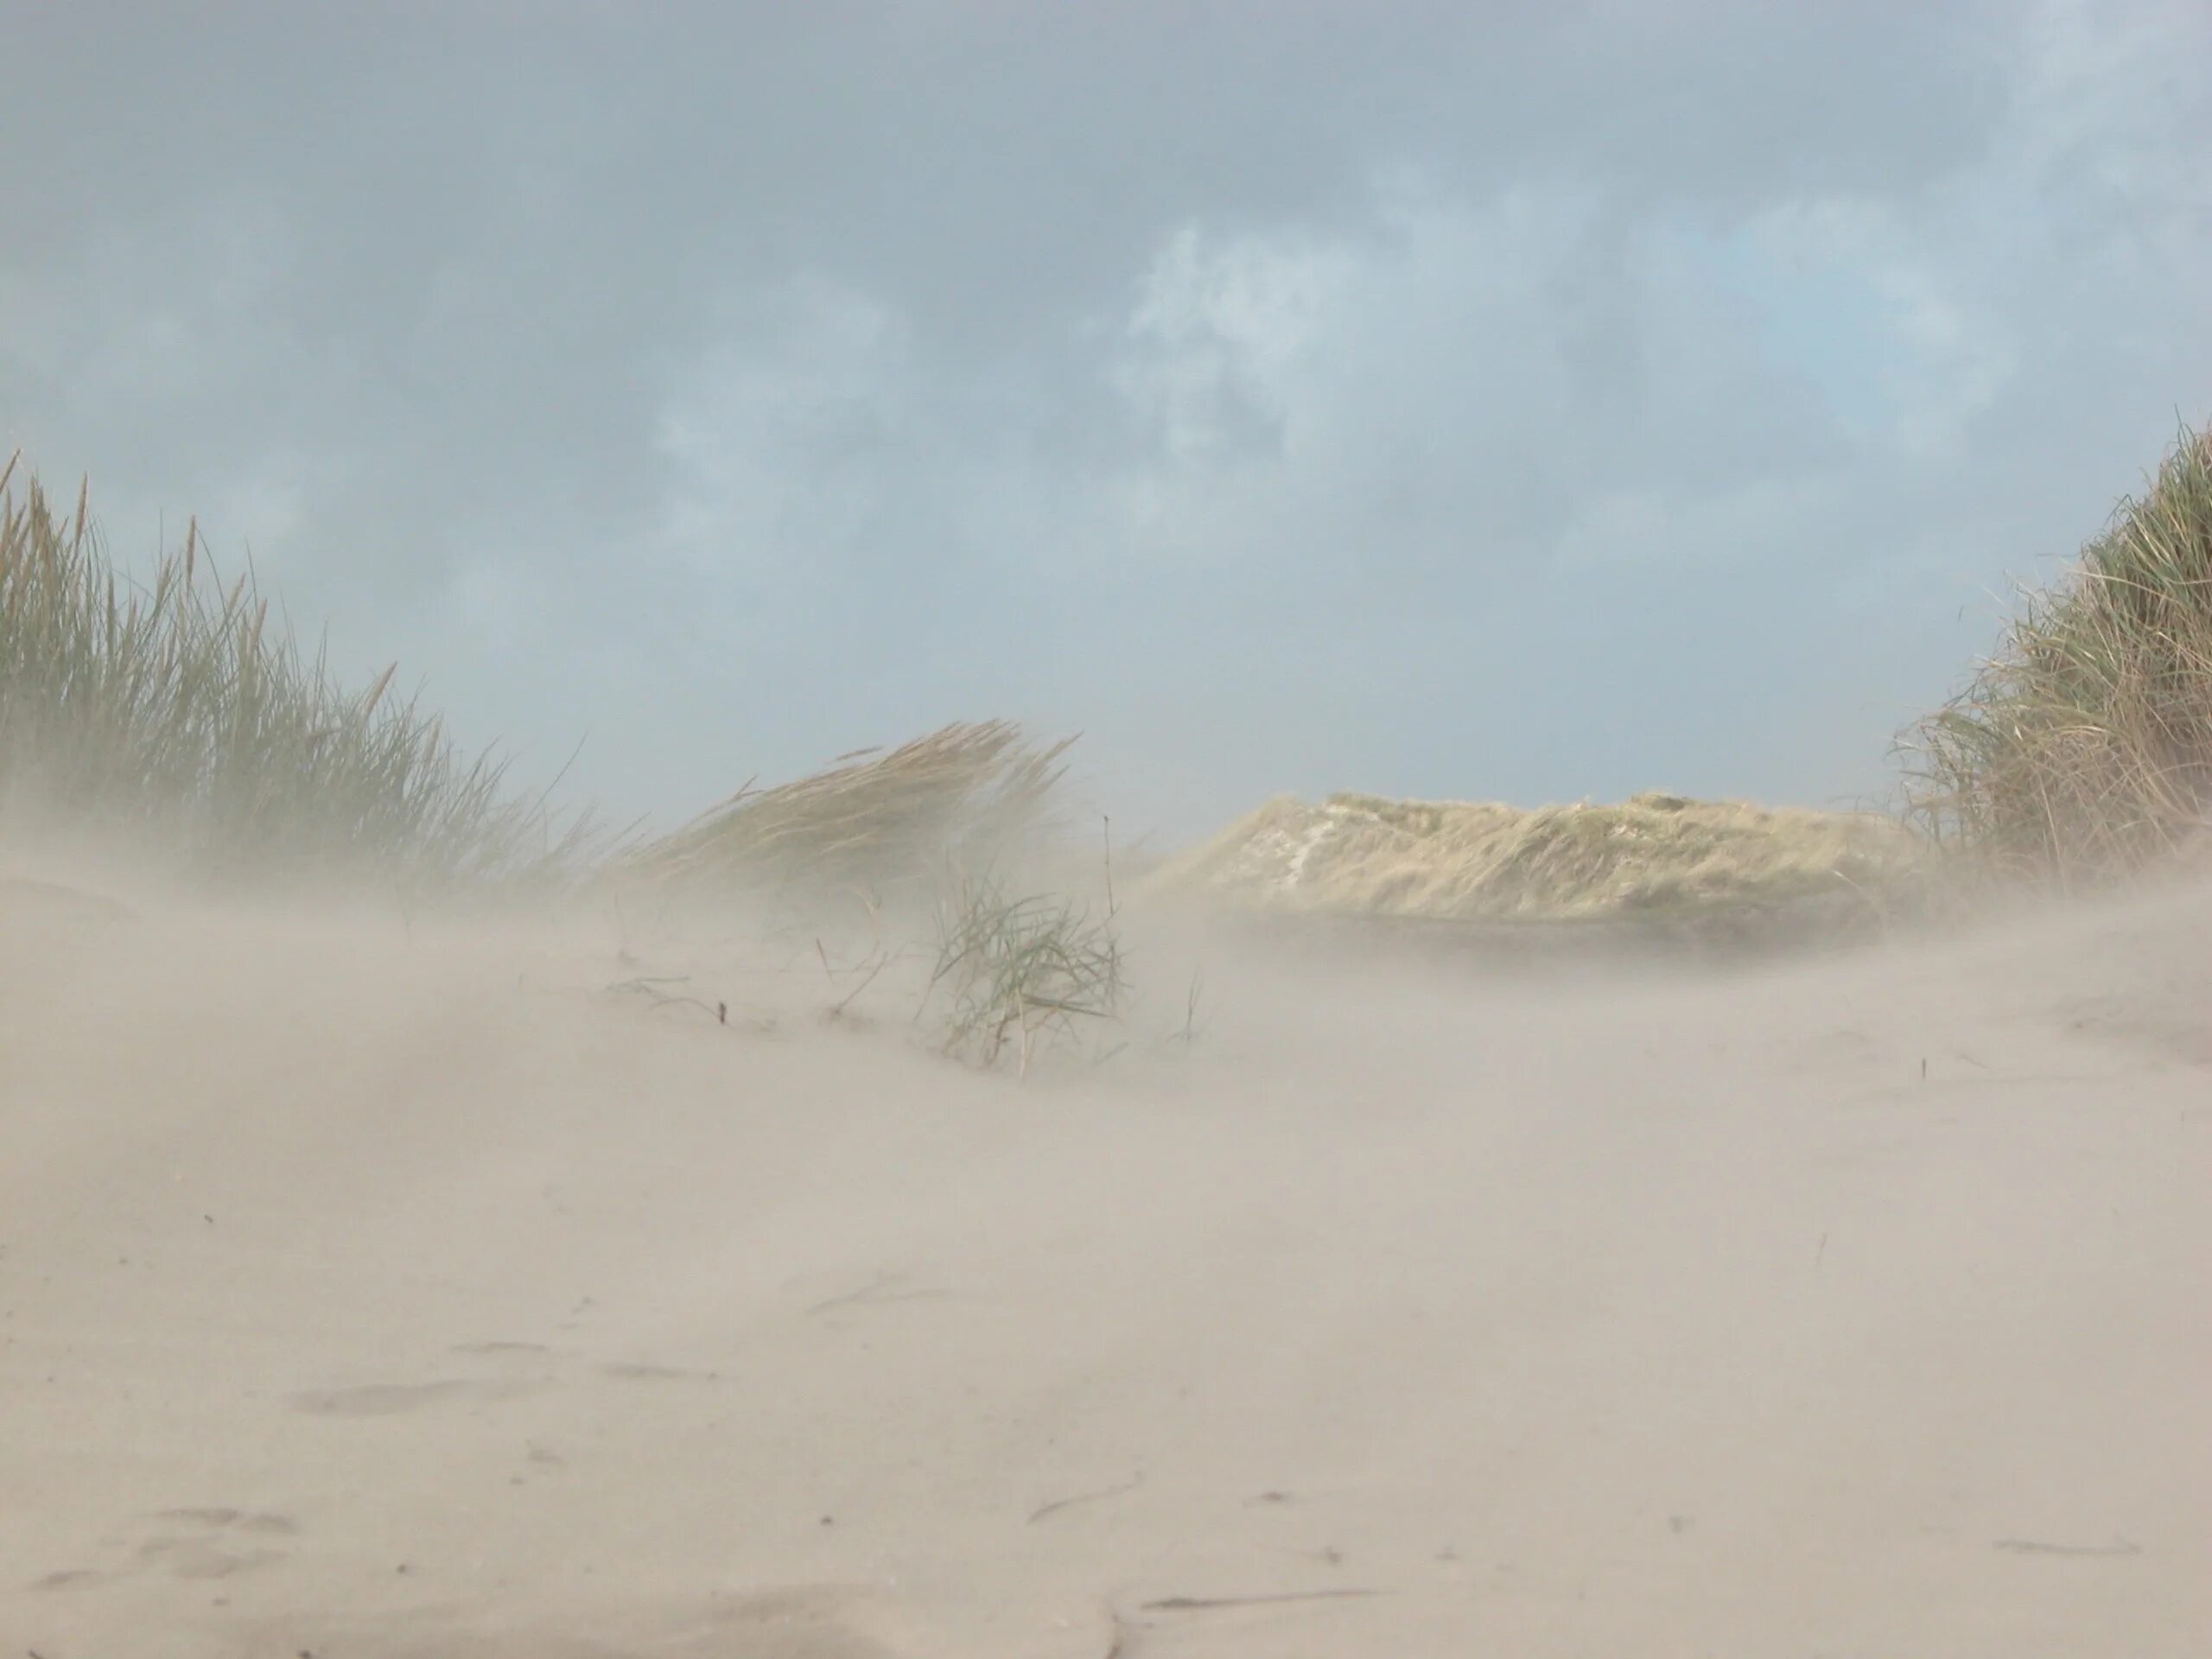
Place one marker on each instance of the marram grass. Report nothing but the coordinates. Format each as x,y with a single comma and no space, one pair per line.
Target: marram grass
179,711
2080,752
178,715
886,824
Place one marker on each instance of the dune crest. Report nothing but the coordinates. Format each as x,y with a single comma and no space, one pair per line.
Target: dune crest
1364,854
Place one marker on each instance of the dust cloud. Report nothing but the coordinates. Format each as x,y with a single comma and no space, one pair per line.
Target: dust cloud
373,1287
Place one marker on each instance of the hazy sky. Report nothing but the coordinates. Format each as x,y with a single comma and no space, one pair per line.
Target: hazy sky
1517,401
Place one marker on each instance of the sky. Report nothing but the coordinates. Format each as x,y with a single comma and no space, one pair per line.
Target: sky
1511,401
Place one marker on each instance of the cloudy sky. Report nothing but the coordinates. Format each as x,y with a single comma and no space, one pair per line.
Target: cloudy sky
1523,401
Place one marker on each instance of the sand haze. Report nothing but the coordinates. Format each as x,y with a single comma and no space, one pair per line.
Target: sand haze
381,1292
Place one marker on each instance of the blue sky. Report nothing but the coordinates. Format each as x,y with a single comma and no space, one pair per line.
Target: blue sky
1508,402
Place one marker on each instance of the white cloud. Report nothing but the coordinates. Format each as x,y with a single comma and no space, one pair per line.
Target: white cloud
1215,340
776,437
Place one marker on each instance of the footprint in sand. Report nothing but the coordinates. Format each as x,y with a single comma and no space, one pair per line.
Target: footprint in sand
396,1399
638,1372
527,1356
802,1621
795,1622
193,1544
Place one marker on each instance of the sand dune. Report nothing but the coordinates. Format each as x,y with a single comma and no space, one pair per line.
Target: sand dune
371,1293
1463,860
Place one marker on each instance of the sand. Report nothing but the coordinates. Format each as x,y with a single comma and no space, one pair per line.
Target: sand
369,1292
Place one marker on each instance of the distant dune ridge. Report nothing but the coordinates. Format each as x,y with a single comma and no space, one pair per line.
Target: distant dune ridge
183,710
1363,855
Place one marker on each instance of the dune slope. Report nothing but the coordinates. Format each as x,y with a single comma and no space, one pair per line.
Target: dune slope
382,1297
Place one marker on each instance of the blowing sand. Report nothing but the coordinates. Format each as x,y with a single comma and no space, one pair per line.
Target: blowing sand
367,1296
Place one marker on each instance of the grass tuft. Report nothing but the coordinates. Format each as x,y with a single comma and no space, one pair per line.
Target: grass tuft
179,713
1020,974
2080,752
882,825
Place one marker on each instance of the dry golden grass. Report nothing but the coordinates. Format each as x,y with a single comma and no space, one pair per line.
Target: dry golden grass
1364,854
882,825
181,709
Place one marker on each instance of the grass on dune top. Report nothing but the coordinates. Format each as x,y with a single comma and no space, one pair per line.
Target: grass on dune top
180,708
2080,752
876,822
178,712
2077,756
1365,855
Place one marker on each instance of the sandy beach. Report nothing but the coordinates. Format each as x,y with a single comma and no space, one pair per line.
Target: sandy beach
374,1295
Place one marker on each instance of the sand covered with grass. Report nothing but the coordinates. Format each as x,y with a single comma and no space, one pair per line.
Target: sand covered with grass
1355,854
382,1290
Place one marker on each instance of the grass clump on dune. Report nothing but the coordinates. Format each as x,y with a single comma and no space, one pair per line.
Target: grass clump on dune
924,838
1018,973
175,718
882,825
180,714
2081,751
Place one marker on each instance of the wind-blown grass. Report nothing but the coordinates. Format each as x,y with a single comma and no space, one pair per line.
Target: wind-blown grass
180,716
2080,752
883,825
